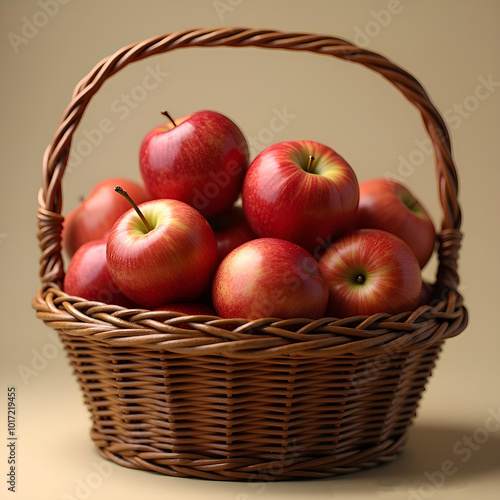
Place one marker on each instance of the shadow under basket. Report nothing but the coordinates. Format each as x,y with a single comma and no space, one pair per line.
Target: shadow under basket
269,399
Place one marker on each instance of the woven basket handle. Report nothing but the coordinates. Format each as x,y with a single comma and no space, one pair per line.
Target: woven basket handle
57,153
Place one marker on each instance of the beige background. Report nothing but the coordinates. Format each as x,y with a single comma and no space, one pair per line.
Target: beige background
450,45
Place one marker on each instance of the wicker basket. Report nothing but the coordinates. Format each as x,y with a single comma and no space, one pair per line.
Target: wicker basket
268,399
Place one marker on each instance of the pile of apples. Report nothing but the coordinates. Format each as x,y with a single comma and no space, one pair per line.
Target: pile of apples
291,234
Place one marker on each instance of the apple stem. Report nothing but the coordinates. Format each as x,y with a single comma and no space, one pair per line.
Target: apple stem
165,113
360,279
311,159
413,205
124,193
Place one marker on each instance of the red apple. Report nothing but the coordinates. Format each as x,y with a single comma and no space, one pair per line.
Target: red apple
95,216
388,205
231,230
288,195
199,159
162,252
88,276
189,308
269,277
426,294
370,271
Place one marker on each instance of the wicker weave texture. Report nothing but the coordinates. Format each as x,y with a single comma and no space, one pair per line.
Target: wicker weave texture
269,399
281,418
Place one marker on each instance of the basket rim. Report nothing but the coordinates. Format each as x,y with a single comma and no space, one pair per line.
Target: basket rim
203,335
114,325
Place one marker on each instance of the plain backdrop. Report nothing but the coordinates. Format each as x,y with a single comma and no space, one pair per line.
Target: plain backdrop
451,46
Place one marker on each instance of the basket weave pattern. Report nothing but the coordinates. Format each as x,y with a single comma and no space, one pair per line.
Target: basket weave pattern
270,399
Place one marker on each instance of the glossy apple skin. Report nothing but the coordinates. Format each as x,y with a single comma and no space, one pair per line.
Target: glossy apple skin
231,230
269,277
392,274
174,262
95,216
426,293
201,161
88,276
282,200
383,204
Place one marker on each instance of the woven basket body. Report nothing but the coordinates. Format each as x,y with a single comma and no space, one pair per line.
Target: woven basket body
201,396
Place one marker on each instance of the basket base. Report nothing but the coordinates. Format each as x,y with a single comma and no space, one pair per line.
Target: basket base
249,469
